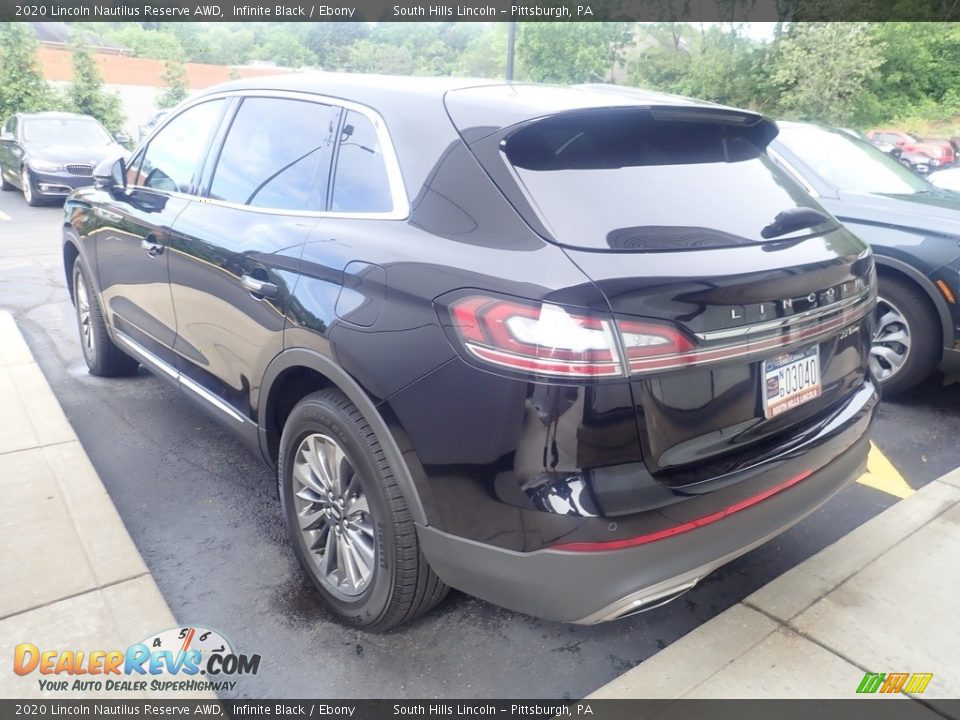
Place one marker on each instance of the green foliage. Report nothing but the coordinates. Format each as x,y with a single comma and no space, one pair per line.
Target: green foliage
284,49
85,94
712,63
822,70
174,84
22,87
569,52
154,44
857,74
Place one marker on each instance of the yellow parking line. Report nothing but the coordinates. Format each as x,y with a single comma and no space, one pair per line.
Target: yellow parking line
882,475
4,216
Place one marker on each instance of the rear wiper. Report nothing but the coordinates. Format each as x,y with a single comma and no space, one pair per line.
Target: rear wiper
796,218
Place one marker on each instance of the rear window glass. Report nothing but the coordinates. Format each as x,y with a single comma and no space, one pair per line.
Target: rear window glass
624,179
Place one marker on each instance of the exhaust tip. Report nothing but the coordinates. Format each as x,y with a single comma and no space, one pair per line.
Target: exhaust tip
641,602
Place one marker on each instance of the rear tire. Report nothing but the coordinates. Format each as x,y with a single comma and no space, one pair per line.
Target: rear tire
103,358
906,344
345,514
4,185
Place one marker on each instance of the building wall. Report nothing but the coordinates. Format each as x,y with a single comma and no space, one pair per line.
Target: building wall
139,81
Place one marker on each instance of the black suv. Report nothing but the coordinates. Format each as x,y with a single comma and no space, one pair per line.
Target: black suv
566,349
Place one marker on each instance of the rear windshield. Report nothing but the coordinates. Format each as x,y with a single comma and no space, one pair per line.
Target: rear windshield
629,179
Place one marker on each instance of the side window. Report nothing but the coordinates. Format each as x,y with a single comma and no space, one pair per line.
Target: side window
360,183
11,126
173,157
277,155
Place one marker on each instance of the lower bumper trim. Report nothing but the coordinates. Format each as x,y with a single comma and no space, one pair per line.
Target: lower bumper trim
587,588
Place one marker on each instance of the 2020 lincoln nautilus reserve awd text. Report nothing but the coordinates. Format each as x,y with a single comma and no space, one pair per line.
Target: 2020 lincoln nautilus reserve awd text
566,349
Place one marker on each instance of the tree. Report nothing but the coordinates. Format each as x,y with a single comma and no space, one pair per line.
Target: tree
85,94
822,70
367,56
156,44
573,52
331,42
485,56
22,87
174,83
284,49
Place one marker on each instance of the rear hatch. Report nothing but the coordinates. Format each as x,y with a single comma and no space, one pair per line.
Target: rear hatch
745,308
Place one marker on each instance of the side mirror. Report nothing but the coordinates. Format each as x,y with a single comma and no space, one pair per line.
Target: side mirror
122,138
111,174
7,136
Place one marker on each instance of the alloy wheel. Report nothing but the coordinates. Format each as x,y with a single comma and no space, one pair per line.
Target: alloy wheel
334,515
891,341
26,185
87,336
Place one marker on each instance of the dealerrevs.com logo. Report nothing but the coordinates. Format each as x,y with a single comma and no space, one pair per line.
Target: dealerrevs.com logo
179,659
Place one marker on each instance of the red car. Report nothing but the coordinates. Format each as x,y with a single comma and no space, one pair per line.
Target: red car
940,152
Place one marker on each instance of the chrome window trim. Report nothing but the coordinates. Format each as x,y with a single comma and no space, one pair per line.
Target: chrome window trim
398,192
792,172
143,354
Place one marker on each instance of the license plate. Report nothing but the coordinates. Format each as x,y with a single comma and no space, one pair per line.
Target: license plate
790,380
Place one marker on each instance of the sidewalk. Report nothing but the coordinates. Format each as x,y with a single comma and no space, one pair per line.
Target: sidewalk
70,576
883,599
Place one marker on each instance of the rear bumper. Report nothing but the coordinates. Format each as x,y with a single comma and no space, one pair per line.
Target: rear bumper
591,587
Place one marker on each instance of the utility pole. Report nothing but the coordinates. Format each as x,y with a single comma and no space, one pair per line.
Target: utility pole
511,45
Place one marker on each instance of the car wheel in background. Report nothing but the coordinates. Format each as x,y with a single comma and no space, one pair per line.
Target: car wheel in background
103,358
905,342
347,519
29,191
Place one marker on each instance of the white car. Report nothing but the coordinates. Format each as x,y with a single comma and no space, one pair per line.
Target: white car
948,179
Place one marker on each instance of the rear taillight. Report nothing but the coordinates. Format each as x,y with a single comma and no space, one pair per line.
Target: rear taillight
649,345
548,339
543,339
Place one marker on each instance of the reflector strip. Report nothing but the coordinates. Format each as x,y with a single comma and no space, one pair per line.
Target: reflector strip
684,527
946,292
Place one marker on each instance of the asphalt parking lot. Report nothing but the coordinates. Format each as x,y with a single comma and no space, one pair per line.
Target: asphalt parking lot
204,515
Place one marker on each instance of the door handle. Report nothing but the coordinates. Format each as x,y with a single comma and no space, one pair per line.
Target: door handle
153,248
260,288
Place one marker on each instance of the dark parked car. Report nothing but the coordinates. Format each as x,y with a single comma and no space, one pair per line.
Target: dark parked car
914,229
49,154
568,350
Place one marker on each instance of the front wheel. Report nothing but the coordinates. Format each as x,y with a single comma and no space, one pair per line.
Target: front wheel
906,340
347,519
29,191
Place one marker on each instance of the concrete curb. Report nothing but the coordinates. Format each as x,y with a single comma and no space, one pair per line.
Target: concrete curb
71,577
852,608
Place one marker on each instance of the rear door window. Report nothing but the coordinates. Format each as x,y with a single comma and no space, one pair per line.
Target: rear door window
172,160
277,154
627,179
361,183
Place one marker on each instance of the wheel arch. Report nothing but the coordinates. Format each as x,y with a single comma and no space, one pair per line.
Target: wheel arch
297,372
891,267
71,251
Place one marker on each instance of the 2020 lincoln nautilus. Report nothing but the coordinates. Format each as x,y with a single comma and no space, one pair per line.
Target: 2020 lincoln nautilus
566,349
